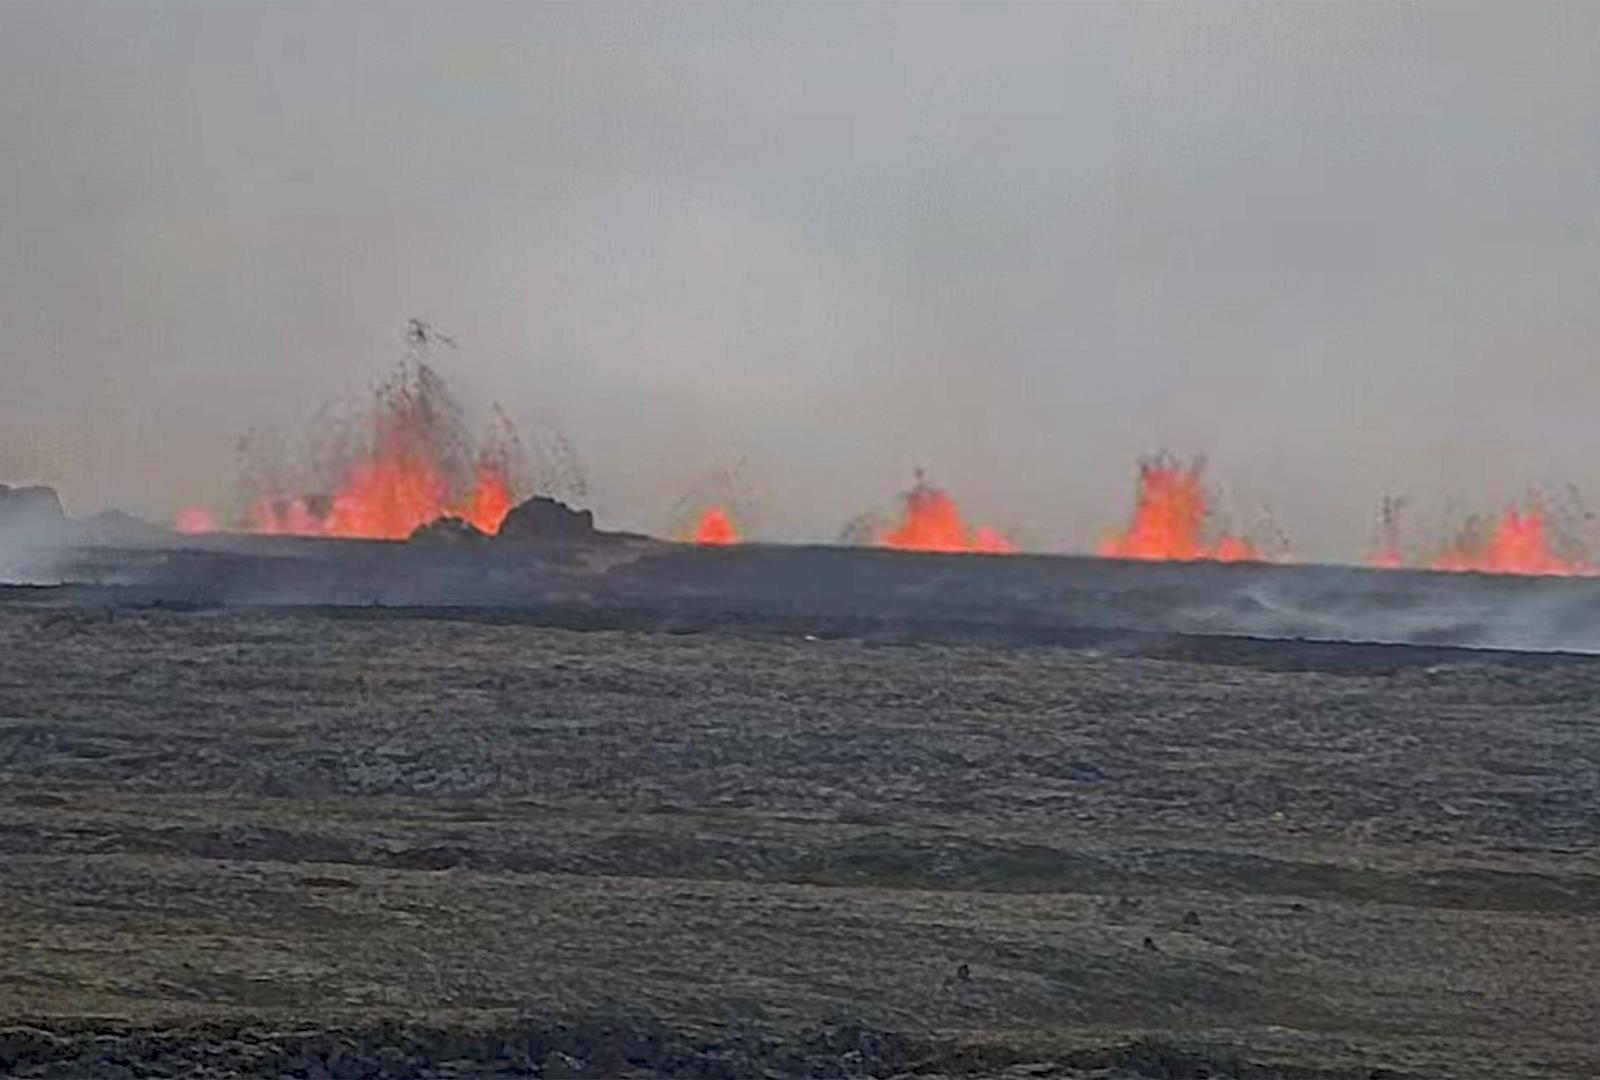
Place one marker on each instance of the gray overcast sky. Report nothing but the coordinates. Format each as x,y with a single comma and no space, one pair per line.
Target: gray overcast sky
1340,249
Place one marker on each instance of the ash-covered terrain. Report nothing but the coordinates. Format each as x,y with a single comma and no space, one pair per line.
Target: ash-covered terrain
566,803
369,842
621,581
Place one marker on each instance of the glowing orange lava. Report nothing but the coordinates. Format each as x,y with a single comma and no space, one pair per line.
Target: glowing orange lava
414,465
930,521
1386,558
716,527
1169,519
1518,543
195,520
1233,549
491,498
387,499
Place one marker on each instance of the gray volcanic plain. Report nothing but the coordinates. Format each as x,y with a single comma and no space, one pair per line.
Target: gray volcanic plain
626,581
322,808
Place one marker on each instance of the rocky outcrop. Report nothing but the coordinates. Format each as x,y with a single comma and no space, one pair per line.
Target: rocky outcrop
29,505
544,518
120,527
18,504
448,530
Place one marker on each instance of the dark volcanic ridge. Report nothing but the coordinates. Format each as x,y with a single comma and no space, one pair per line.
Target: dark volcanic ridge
550,563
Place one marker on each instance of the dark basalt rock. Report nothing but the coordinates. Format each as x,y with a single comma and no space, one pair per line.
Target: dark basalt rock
117,526
448,530
29,505
544,518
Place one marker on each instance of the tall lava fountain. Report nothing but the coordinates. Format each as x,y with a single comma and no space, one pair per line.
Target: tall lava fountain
408,459
1170,518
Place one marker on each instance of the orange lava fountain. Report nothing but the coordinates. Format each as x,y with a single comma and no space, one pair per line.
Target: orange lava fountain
387,499
414,466
930,521
1169,519
1517,544
491,499
716,527
195,520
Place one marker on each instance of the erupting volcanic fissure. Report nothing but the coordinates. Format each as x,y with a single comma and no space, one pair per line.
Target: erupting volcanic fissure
408,462
1518,542
1170,517
387,499
194,520
716,526
406,458
931,521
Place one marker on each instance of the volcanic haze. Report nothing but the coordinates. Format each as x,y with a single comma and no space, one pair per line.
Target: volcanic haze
1341,250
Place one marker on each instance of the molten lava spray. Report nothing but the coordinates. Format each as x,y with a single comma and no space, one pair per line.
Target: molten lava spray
387,499
716,527
195,520
491,498
1517,543
1386,556
412,465
1169,518
930,521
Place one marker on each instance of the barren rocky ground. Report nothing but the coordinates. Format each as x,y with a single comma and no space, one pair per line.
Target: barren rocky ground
369,844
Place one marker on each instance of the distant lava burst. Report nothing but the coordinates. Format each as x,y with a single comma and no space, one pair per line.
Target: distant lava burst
931,521
1517,542
407,461
1170,518
716,526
